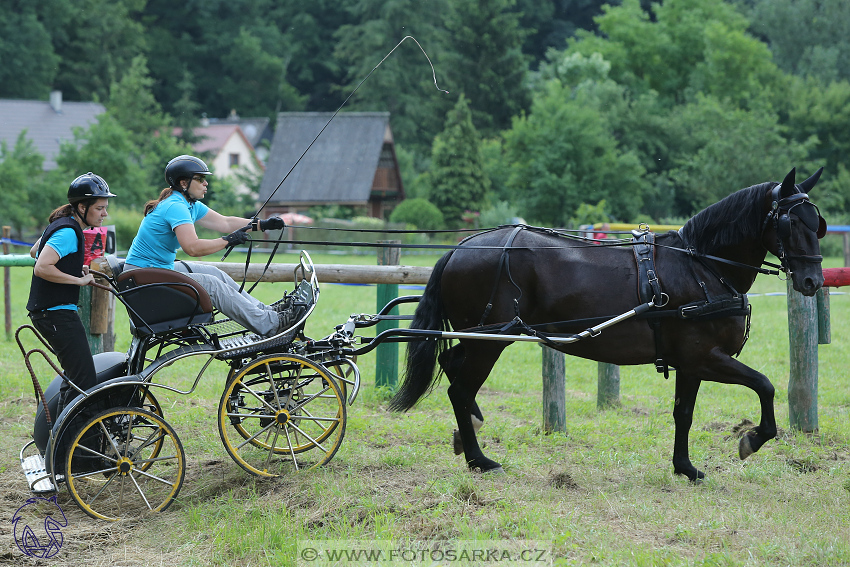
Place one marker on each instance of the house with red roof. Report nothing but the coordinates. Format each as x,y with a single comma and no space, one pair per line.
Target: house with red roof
227,151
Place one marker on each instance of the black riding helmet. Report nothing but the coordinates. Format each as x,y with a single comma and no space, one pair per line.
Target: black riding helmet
87,187
184,167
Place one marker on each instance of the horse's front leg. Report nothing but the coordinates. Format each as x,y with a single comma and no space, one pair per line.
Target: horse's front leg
687,387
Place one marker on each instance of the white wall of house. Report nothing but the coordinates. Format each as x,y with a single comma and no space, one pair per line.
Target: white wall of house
235,156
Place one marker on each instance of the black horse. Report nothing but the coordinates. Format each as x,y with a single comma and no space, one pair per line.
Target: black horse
540,277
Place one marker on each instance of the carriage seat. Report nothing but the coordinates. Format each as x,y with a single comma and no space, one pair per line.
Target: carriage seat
161,300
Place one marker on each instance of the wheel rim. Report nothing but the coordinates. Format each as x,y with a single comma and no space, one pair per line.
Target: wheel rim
282,413
125,462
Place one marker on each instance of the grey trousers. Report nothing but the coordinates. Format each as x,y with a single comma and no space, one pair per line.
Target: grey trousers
225,295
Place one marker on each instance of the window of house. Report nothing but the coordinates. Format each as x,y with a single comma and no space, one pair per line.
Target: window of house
234,160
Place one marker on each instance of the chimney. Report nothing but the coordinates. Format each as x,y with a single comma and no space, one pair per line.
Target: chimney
56,101
204,120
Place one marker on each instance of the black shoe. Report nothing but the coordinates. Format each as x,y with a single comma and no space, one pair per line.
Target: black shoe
289,317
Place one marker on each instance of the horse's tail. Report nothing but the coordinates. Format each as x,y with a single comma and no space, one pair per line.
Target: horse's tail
419,376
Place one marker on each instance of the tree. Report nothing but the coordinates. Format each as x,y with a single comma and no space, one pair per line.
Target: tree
727,149
104,148
404,83
807,37
486,61
20,176
683,47
253,77
152,142
457,180
97,41
27,60
563,154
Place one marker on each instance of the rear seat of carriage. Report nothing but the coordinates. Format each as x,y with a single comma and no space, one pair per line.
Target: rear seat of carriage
160,300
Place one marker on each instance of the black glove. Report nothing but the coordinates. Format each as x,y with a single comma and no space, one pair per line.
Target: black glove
272,223
237,237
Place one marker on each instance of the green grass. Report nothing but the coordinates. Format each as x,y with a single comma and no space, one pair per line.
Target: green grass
602,492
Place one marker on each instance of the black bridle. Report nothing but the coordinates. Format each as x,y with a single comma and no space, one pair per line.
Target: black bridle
780,217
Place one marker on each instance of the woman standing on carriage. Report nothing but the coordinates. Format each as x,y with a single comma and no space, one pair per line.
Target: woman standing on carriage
169,224
58,275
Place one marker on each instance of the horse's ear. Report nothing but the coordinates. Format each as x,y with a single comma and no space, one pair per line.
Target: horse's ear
788,188
807,185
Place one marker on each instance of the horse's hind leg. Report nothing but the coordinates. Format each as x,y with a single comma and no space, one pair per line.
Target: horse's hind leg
467,369
450,361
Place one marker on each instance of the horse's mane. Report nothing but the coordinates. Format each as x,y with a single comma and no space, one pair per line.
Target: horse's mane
730,221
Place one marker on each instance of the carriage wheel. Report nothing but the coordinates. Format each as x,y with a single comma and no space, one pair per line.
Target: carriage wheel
343,371
281,412
124,462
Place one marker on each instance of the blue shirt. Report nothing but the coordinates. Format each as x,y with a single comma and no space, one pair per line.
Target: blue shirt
156,244
64,242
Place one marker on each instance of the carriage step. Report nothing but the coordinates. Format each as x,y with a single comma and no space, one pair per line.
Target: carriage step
36,474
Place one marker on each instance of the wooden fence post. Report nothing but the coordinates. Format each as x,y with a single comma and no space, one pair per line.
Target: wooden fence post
386,362
554,390
846,236
803,377
85,306
608,385
7,285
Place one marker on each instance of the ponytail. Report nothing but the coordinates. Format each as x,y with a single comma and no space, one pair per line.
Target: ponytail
151,205
65,210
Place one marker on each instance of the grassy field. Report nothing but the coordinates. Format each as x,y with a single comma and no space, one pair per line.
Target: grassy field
601,493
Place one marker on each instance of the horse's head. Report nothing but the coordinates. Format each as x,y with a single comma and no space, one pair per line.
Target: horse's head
792,229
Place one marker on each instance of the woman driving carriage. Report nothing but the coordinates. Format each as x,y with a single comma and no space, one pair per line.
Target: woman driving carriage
58,275
169,224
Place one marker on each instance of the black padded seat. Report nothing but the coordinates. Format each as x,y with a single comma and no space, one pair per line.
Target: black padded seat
163,300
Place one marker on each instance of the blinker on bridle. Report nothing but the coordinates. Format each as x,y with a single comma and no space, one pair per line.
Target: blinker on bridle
780,214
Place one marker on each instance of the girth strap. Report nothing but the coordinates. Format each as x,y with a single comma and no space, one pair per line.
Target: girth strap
649,287
504,262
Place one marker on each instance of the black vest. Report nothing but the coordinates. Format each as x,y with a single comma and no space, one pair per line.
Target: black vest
45,294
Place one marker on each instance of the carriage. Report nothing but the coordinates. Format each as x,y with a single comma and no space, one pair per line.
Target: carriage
283,407
284,403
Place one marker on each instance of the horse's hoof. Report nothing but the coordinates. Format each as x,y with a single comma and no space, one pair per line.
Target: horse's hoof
745,449
458,444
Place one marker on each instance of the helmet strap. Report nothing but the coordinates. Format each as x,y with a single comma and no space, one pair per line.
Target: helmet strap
84,216
185,192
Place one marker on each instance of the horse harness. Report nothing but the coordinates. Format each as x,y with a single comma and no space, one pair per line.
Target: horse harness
649,290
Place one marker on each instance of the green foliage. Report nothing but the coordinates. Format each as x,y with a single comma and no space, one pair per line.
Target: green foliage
809,38
590,214
20,175
106,148
750,150
223,197
126,221
418,212
97,41
253,75
368,222
500,213
563,154
457,180
27,59
486,62
404,84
